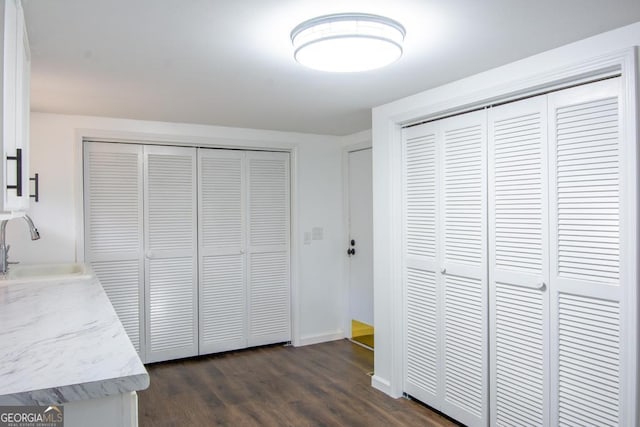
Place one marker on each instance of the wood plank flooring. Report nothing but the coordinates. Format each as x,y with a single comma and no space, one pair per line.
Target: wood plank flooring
319,385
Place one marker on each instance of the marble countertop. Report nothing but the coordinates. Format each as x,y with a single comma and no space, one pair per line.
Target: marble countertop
61,341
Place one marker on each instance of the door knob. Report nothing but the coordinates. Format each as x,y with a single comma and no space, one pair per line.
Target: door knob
353,242
443,270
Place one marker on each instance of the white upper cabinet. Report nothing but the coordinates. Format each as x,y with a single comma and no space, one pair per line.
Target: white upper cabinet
16,65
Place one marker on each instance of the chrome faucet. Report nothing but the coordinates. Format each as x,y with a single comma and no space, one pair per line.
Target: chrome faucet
4,248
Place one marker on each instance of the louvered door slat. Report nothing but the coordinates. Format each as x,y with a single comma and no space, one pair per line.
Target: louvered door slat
518,263
122,283
588,222
171,245
421,322
223,300
268,212
113,222
463,259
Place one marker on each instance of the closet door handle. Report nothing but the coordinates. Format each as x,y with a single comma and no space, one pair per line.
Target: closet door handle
443,270
540,286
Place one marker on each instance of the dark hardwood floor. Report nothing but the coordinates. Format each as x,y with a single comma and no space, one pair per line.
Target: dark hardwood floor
319,385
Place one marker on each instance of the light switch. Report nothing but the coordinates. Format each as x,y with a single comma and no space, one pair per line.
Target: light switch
318,233
307,237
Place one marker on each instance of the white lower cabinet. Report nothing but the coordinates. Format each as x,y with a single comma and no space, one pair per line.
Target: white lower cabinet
547,338
191,245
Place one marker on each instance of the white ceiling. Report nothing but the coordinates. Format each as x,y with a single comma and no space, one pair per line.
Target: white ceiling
229,62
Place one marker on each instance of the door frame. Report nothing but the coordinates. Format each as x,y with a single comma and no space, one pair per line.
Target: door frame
235,143
362,141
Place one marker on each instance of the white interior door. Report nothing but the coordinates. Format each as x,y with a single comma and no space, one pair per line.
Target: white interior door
519,263
422,361
268,242
360,236
463,268
445,277
589,222
171,252
222,266
113,229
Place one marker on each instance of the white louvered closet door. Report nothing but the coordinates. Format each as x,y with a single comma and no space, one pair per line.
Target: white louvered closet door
463,268
519,263
422,312
170,245
268,218
223,299
589,224
113,227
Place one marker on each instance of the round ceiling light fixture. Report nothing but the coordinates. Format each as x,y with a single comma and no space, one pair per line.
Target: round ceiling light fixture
348,42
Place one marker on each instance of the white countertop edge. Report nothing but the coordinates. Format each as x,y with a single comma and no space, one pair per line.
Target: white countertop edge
85,391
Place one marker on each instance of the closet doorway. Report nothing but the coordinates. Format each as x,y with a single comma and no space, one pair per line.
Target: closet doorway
192,245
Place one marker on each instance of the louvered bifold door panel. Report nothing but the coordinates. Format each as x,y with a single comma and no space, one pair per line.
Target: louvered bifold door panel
113,226
588,223
463,269
268,236
222,290
171,246
421,307
519,263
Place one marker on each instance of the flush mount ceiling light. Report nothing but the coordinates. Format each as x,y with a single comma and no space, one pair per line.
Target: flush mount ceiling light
348,42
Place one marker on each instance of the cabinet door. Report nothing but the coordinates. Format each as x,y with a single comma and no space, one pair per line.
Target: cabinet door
171,246
592,352
519,263
462,276
421,297
113,229
268,281
222,266
23,77
10,94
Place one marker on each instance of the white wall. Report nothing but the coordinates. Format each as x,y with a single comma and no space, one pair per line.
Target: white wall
317,174
508,80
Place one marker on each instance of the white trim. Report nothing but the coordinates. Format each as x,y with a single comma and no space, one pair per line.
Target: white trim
630,243
78,183
320,338
383,385
387,122
294,247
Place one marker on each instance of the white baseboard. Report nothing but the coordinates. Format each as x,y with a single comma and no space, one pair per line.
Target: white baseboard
320,338
382,385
